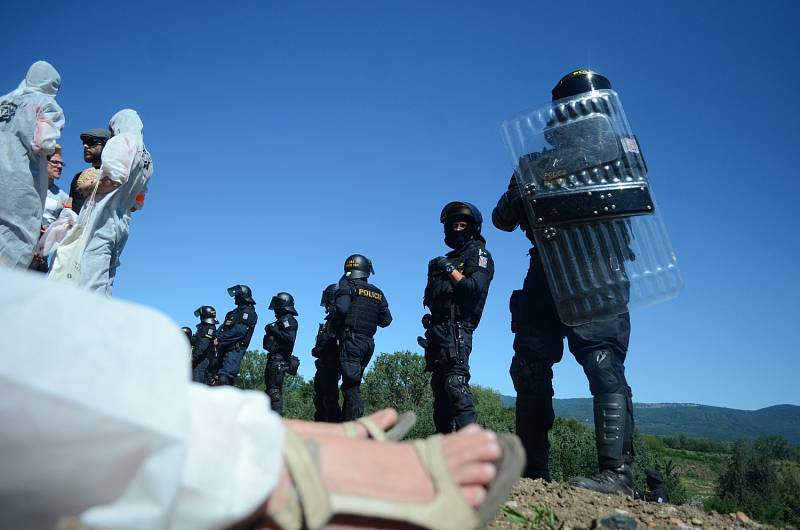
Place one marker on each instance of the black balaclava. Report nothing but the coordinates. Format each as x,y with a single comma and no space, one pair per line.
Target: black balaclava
456,240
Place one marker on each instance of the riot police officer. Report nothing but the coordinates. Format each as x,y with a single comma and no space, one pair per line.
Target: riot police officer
234,336
600,346
455,294
326,354
358,310
279,337
203,344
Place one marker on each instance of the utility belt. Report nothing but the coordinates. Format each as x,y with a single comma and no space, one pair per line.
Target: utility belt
290,363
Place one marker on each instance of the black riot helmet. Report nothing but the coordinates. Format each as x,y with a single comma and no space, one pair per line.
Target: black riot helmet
188,332
358,266
328,295
241,294
283,302
207,314
578,82
461,211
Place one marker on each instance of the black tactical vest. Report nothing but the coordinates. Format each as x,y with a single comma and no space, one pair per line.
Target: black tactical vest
365,305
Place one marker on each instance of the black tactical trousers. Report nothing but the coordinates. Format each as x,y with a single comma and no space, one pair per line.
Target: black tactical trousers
326,385
355,352
600,348
450,347
199,371
273,378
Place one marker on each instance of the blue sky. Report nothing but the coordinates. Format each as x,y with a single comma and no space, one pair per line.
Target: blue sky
287,135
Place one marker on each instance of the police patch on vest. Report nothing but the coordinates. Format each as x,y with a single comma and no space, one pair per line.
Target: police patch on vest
483,261
286,323
369,294
244,316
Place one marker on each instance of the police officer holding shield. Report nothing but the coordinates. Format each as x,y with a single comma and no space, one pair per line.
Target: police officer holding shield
234,336
279,337
203,342
580,201
326,354
358,310
455,294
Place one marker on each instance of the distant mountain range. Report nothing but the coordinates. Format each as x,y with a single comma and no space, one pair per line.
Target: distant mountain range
700,421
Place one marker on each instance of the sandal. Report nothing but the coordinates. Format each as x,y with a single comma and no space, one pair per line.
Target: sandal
312,506
399,431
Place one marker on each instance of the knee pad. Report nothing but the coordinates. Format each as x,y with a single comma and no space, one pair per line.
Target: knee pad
531,377
605,373
456,387
351,376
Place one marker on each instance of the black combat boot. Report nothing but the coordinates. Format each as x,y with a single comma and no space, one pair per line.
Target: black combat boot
614,447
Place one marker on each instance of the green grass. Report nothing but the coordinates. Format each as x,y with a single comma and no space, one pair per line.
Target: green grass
540,518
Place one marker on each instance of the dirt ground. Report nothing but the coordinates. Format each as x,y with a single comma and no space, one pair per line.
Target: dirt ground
557,506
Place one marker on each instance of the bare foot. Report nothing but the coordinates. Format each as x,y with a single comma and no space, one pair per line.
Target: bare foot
385,419
393,471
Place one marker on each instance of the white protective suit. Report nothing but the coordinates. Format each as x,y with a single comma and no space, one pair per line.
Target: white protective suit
54,203
100,421
30,123
126,162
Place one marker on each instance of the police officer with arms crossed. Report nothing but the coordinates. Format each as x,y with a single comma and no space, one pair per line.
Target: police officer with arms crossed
279,342
358,310
326,353
234,336
455,295
600,346
203,342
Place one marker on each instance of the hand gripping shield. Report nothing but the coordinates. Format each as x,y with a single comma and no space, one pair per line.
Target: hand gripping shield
583,182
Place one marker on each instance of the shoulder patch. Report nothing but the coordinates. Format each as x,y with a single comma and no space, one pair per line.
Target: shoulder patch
245,315
286,323
483,261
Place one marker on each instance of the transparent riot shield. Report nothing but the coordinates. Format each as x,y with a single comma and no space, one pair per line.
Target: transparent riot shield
590,205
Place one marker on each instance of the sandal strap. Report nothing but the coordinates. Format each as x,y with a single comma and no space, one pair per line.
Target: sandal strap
310,508
374,432
447,510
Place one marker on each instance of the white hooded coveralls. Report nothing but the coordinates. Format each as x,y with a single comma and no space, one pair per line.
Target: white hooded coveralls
30,124
125,162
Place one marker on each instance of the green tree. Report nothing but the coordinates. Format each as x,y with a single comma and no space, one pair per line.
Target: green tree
399,380
572,450
298,394
752,483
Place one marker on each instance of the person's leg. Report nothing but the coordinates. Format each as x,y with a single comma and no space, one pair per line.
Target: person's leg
319,407
441,413
350,367
538,345
601,348
354,350
231,365
461,401
274,381
330,386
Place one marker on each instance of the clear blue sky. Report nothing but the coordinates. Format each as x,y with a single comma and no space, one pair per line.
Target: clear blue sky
288,135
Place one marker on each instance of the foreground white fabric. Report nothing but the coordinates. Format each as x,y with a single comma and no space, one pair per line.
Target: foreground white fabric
100,420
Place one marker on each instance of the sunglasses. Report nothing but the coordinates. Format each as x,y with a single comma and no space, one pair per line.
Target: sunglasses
57,163
91,142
